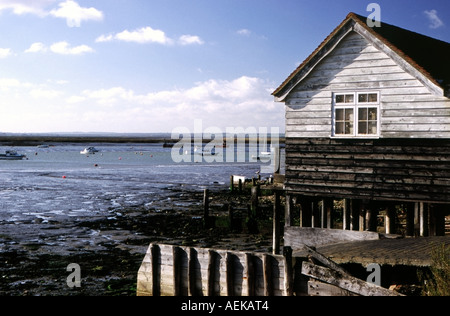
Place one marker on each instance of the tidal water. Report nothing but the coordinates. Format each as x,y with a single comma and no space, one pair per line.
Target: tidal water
58,183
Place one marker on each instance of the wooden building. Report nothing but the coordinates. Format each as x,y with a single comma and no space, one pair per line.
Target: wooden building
368,121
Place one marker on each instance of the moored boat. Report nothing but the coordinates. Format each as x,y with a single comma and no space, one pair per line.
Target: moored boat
11,155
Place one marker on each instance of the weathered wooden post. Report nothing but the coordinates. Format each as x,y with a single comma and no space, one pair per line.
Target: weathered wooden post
288,272
267,271
371,218
211,272
231,184
354,214
276,224
288,214
389,220
326,220
437,220
346,214
255,198
410,219
207,219
423,219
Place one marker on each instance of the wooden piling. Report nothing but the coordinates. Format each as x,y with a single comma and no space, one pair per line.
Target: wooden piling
211,273
389,221
206,217
231,184
288,272
156,270
267,270
183,271
276,224
410,219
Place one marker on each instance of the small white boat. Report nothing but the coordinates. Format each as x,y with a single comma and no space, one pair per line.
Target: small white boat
89,151
205,152
263,155
11,155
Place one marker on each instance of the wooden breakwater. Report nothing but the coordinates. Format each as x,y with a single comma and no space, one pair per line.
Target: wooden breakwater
169,270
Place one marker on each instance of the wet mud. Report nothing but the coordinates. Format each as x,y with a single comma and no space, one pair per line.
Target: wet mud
34,255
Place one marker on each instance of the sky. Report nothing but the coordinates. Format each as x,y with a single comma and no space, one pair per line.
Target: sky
148,66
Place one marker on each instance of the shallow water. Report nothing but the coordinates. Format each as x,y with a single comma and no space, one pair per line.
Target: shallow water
59,183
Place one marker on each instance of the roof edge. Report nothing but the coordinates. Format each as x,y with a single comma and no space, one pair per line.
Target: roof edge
299,73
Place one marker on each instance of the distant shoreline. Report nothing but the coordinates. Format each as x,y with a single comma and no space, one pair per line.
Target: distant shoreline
20,140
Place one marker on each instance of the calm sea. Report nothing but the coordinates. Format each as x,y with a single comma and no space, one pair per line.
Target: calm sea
58,183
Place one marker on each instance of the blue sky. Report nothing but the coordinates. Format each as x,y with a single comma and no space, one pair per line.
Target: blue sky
142,66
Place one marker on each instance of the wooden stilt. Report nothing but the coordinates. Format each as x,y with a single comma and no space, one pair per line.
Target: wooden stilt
176,271
211,273
230,274
346,214
423,219
276,224
288,272
410,219
288,214
267,270
156,269
389,220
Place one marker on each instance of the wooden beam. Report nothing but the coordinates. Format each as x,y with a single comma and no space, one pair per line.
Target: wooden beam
156,269
267,271
211,273
288,272
176,257
345,281
276,224
324,260
230,273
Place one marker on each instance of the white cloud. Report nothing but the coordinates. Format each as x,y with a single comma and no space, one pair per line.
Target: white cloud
40,93
141,36
220,103
435,21
147,34
75,14
5,52
244,32
64,48
190,39
21,7
36,48
104,38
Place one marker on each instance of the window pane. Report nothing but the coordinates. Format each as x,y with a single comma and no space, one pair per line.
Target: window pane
373,97
340,128
349,115
362,114
340,98
349,98
348,128
362,98
373,114
339,114
362,128
372,128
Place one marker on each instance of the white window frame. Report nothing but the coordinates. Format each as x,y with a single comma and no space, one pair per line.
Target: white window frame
355,105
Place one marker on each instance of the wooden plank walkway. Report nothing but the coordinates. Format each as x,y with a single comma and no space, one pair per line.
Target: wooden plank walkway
402,251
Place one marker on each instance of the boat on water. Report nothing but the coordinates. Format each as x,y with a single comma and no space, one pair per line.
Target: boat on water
89,151
12,155
205,152
262,155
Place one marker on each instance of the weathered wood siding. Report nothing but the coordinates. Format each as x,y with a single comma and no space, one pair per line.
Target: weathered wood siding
384,169
408,108
169,270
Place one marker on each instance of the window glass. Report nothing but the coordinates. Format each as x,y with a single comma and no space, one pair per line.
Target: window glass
356,114
344,122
